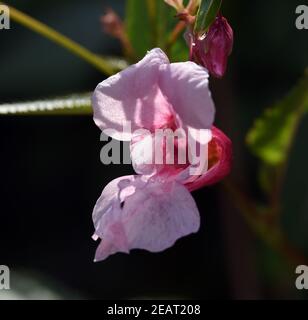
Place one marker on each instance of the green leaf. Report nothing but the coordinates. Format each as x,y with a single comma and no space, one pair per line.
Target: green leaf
268,176
206,15
139,26
271,136
164,20
148,24
179,51
78,104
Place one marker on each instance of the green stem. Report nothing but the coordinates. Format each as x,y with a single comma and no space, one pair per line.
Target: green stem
152,11
76,104
275,197
53,35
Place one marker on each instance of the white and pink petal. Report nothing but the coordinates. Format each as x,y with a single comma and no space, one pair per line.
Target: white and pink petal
132,95
185,86
151,217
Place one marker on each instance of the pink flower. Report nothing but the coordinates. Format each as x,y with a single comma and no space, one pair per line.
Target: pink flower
153,209
213,49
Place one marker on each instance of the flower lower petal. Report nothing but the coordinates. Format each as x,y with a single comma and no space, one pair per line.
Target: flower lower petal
152,217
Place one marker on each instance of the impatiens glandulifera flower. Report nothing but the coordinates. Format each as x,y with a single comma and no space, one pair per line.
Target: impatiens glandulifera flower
212,49
154,208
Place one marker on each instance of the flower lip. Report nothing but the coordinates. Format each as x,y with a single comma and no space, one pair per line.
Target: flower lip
154,217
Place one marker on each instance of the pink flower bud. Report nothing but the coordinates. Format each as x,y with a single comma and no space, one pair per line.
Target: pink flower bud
213,49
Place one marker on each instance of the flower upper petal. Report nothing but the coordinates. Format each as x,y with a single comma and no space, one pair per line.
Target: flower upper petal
132,95
185,86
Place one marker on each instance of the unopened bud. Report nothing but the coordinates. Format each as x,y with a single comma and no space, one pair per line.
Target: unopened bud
212,49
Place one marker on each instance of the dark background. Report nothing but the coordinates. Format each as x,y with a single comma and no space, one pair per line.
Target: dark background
51,175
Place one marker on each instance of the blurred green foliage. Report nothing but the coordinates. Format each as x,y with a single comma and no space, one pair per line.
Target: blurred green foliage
271,137
207,13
